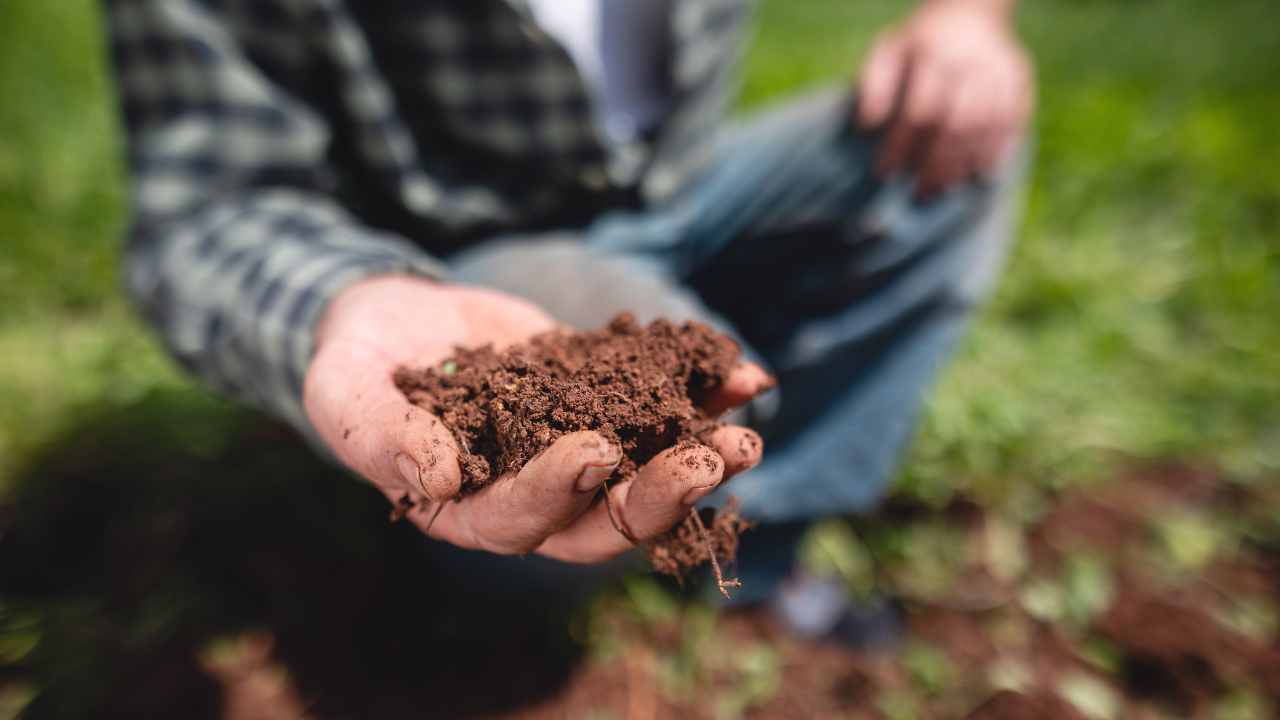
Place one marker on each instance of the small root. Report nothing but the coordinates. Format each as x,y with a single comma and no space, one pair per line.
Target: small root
722,584
400,508
434,515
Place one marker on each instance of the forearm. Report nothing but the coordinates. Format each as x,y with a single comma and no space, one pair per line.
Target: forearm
235,247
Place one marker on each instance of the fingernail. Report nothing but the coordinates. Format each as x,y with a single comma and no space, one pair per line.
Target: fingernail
600,467
410,472
750,447
594,475
769,382
764,380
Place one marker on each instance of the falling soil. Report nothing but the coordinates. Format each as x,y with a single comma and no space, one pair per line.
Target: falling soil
641,387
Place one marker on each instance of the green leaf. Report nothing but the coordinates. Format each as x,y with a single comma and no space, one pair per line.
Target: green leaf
1008,673
13,698
1241,705
1043,600
649,600
832,549
1190,540
898,705
930,668
1089,588
1090,696
757,678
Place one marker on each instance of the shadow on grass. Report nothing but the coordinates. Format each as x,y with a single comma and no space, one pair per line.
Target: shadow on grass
148,531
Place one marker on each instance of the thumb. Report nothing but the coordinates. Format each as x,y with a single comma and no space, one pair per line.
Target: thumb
354,405
880,81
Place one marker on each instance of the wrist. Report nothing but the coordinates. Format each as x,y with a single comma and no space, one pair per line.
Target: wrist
1000,9
362,299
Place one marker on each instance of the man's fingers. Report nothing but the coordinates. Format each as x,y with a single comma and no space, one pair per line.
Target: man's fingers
987,151
949,157
741,448
374,430
920,114
971,117
881,79
659,496
940,161
745,382
515,513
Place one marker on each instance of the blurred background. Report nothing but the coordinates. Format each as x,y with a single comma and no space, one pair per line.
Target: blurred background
1087,526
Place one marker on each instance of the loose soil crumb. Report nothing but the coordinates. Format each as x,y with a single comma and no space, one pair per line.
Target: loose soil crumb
639,386
683,547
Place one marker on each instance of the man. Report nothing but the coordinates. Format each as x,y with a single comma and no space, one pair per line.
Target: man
326,189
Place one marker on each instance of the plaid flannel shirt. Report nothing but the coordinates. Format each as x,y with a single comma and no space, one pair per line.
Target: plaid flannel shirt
281,150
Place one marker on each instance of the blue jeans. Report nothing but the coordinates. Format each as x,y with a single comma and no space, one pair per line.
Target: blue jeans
844,286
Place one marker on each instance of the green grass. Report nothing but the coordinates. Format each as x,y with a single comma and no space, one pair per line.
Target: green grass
1133,322
67,341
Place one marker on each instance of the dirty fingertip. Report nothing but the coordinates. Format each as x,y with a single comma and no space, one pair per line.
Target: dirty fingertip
433,471
443,485
702,468
410,471
696,463
740,447
598,458
748,378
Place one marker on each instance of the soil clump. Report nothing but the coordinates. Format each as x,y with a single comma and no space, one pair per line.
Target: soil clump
640,386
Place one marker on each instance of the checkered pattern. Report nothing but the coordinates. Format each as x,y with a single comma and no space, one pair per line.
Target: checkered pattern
282,149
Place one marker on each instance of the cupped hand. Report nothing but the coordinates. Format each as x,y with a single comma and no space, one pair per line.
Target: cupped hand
380,324
951,88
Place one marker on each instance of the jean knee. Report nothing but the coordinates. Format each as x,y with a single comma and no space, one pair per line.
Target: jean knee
991,238
577,284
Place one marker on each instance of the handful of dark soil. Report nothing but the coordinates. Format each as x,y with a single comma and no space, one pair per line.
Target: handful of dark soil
639,386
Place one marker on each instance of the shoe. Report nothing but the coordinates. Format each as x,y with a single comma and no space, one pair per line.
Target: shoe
822,609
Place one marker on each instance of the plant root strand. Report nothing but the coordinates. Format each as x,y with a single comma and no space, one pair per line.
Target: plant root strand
434,515
721,584
400,509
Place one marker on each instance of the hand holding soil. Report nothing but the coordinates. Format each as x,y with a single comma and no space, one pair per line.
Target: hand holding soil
543,493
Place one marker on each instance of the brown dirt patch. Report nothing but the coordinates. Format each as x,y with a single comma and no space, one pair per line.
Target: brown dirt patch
1179,654
132,547
1009,705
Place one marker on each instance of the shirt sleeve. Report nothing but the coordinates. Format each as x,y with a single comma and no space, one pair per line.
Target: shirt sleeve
234,247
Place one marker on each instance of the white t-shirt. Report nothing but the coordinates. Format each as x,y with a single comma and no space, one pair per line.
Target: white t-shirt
620,48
